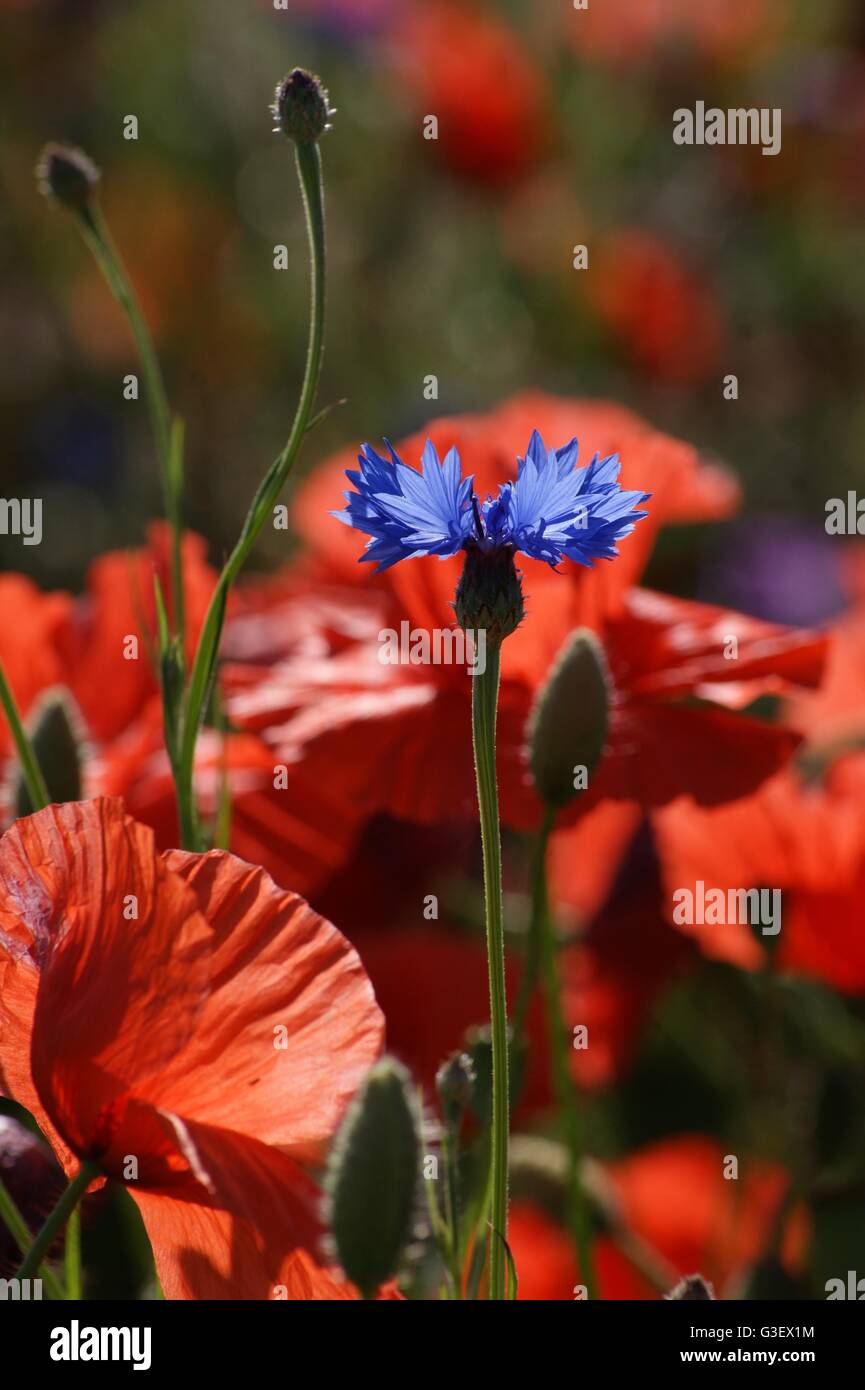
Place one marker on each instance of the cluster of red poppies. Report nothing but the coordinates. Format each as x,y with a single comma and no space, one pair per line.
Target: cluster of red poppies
192,1014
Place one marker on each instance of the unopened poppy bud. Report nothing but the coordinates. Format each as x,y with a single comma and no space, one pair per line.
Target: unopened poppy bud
301,107
67,175
56,740
372,1178
489,594
568,725
690,1289
455,1083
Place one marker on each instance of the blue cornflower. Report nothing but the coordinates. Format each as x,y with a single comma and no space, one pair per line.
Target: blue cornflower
553,511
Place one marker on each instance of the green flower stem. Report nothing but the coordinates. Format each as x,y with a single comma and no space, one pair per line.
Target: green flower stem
485,694
36,788
204,666
64,1208
169,441
72,1256
20,1233
570,1118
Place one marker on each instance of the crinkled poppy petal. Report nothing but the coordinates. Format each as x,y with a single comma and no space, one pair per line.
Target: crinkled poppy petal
251,1235
290,1024
671,646
405,750
19,982
122,953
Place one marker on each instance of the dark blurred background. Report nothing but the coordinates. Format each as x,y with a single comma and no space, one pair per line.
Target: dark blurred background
450,257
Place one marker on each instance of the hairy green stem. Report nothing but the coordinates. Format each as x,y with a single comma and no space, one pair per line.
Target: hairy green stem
169,441
485,694
204,666
72,1256
64,1208
36,788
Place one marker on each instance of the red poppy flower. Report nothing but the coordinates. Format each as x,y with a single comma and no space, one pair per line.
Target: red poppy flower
30,625
100,650
400,734
675,1197
307,675
97,648
803,838
192,1029
471,71
112,678
668,322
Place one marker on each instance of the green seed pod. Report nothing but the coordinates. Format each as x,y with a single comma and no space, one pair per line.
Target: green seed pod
372,1178
67,175
301,107
568,725
56,742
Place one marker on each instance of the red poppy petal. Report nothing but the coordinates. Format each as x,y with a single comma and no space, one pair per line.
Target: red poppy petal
118,994
290,1024
253,1239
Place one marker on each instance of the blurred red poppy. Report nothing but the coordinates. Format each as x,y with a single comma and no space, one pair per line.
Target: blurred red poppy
667,321
31,624
672,1195
465,67
190,1028
400,734
804,838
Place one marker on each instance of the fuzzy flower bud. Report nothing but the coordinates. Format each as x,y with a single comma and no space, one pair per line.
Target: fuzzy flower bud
455,1083
67,175
301,107
489,594
568,725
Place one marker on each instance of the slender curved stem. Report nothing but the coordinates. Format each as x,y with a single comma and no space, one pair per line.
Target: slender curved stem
485,694
67,1204
36,788
97,236
204,666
